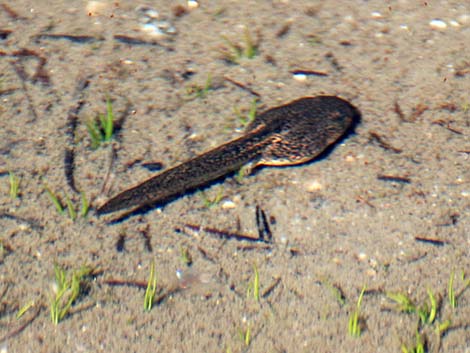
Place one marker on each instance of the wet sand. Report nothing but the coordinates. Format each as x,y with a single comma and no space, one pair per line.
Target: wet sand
387,209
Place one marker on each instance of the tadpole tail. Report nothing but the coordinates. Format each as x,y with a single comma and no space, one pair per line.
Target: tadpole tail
190,175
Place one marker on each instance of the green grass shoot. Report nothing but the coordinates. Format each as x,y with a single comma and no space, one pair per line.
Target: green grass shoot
451,291
427,313
443,327
245,336
60,207
70,208
151,288
253,286
24,309
234,52
211,202
247,119
418,347
404,303
354,325
14,185
197,91
55,200
85,205
101,129
243,172
67,288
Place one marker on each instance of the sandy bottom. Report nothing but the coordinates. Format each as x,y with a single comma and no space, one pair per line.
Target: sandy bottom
387,209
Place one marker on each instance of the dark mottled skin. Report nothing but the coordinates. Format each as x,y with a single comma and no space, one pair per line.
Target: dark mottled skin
290,134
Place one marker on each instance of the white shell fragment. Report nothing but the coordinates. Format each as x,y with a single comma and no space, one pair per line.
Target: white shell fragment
151,24
192,4
438,24
300,77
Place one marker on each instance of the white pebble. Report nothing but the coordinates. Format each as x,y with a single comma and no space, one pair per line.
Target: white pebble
438,24
376,14
362,256
314,186
192,4
151,29
228,204
300,77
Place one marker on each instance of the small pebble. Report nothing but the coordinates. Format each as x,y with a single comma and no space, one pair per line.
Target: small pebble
300,77
228,204
192,4
376,14
438,24
362,256
314,186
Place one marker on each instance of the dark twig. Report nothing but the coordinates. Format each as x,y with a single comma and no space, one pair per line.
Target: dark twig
432,241
382,143
446,124
264,232
224,234
397,109
242,86
394,178
136,41
21,75
79,39
11,13
308,73
71,126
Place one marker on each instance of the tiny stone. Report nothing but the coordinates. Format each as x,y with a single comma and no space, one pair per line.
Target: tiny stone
300,77
438,24
228,204
376,14
192,4
314,186
362,256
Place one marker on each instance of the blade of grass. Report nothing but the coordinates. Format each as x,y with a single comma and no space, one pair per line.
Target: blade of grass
72,212
109,122
14,185
151,288
55,200
85,205
354,326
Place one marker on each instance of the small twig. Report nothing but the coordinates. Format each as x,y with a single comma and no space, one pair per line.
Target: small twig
79,39
71,126
397,109
382,143
446,124
308,73
242,86
432,241
394,178
223,234
20,72
11,13
264,231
